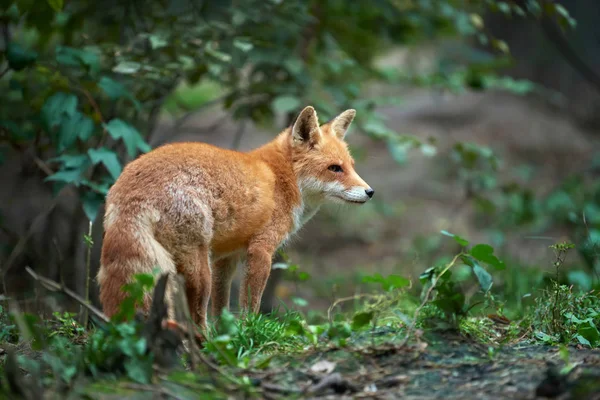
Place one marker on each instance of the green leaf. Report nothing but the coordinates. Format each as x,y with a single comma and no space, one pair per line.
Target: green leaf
68,176
485,253
56,5
243,45
146,280
139,370
19,58
91,202
108,158
127,67
113,89
458,239
285,104
119,129
116,90
300,302
73,57
484,277
427,275
361,319
56,107
303,276
396,282
77,126
219,55
157,42
590,333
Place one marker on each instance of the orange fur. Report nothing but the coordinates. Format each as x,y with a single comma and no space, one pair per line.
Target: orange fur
185,207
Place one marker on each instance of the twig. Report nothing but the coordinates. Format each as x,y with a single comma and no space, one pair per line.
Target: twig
426,299
88,260
344,299
57,287
4,72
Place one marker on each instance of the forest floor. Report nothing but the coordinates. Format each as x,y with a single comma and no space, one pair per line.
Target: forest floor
439,366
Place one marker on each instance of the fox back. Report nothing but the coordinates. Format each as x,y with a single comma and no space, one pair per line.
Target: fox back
196,210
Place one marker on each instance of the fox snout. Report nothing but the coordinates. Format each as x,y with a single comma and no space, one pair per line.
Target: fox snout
357,194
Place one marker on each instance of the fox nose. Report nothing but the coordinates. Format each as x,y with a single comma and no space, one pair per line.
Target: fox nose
370,192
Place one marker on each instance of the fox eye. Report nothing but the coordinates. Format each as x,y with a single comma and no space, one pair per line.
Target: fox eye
335,168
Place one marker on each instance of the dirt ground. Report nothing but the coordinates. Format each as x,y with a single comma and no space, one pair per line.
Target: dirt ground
440,366
444,367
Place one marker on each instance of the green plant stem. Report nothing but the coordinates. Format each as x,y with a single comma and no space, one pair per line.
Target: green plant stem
87,274
426,299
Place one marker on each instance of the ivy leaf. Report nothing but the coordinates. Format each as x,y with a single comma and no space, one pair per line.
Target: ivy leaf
68,176
119,129
19,58
590,333
91,202
361,319
73,57
56,5
116,90
484,277
485,253
284,104
463,242
127,67
108,158
77,126
56,107
69,161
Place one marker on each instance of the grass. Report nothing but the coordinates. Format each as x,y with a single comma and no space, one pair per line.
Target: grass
61,357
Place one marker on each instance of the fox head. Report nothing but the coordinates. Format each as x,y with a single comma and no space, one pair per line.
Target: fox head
321,160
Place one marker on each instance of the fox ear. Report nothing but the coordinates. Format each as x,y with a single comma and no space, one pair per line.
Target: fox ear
340,124
306,127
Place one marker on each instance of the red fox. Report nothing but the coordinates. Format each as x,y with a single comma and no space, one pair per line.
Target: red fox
196,210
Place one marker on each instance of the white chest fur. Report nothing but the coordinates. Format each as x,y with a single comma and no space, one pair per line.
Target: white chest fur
301,215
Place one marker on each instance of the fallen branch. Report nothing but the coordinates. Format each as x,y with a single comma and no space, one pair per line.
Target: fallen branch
57,287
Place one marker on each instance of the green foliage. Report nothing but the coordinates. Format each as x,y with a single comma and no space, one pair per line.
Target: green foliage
84,83
66,325
450,297
562,316
235,342
388,283
137,291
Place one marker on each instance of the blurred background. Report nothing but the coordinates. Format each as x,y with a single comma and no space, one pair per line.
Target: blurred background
476,117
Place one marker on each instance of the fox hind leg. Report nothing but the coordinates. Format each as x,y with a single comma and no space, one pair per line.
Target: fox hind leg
195,268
